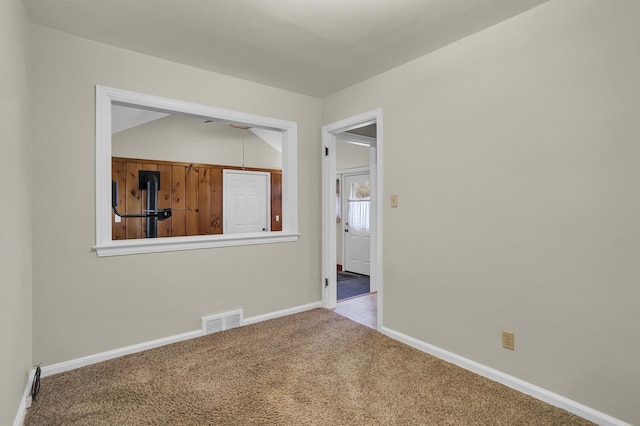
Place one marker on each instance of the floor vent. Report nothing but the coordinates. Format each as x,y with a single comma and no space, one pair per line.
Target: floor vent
226,321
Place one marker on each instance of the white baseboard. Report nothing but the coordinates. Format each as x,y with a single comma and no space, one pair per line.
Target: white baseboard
48,370
25,402
507,380
282,313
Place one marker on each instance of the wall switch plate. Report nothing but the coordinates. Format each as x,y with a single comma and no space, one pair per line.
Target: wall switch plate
394,200
507,340
277,218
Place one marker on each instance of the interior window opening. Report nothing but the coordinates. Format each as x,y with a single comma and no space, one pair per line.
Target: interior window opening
172,170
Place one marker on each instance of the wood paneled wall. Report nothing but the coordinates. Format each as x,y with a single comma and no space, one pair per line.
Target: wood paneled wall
193,191
276,201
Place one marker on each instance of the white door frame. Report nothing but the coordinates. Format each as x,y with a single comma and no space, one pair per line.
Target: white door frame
329,284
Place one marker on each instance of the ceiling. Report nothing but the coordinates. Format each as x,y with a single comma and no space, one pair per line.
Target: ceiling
314,47
123,118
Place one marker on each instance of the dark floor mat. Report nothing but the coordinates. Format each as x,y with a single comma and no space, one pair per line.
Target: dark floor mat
353,286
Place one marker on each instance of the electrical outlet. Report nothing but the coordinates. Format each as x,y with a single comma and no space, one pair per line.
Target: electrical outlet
507,340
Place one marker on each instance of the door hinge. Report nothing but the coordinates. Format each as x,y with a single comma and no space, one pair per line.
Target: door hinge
326,151
326,282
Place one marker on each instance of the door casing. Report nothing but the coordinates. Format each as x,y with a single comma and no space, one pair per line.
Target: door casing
328,152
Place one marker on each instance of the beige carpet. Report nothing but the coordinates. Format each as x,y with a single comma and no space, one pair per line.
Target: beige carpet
313,368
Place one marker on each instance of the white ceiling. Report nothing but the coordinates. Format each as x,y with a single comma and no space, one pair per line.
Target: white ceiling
123,118
315,47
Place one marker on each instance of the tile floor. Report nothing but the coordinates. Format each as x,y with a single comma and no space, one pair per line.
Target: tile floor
362,309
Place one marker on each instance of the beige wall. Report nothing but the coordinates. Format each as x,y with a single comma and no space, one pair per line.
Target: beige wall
189,140
15,234
349,156
523,181
85,305
515,155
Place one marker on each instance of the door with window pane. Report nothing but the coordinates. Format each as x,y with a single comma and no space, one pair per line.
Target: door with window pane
357,228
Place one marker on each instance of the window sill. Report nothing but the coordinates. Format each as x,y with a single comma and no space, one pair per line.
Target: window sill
159,245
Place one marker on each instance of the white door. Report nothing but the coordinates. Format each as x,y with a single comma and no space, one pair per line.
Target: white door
246,201
357,228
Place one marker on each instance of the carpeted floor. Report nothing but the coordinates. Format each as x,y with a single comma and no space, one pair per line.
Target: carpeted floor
351,285
312,368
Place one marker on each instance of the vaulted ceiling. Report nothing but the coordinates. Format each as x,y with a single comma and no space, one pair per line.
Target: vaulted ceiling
314,47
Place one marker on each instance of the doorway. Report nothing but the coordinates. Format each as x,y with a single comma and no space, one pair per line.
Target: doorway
353,236
357,225
330,133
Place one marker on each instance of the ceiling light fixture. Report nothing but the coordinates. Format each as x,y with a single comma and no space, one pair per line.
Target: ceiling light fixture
238,126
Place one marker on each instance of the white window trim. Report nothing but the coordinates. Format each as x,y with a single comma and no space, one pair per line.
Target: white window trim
105,246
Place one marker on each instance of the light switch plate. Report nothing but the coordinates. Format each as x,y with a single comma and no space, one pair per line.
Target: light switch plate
394,200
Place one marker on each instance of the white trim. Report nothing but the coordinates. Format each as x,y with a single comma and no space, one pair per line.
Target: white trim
329,132
329,243
507,380
354,171
158,245
375,280
106,96
115,353
356,139
282,313
25,402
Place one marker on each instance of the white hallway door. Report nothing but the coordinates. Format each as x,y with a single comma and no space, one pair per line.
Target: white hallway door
246,201
357,228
